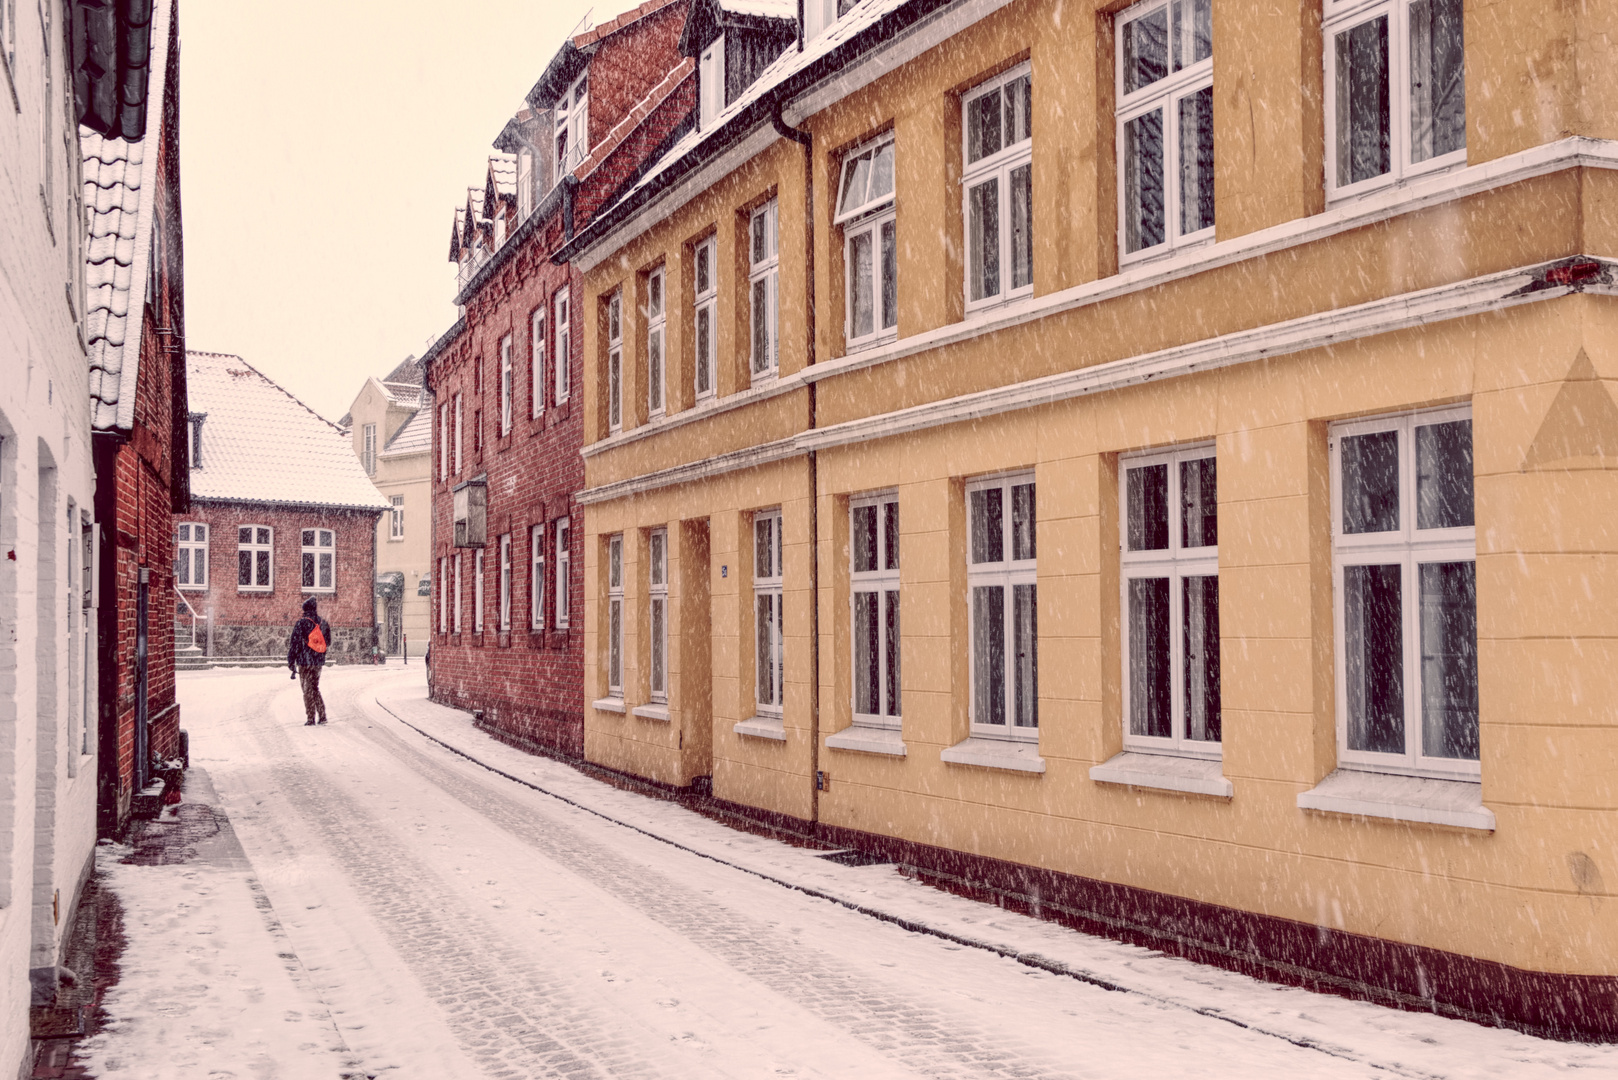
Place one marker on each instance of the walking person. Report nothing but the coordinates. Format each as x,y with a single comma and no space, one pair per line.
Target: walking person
306,653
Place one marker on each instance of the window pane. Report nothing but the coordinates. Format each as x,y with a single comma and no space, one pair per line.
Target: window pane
615,565
1374,662
308,570
199,533
654,294
308,538
654,369
704,349
325,570
881,173
983,127
1022,521
1371,482
615,384
200,577
890,603
860,300
864,538
1362,101
988,537
1025,641
244,567
856,179
764,547
244,536
1200,604
758,238
1020,186
1449,660
761,328
1145,50
615,639
989,654
264,536
1143,181
1199,504
183,532
890,276
658,606
766,676
1149,685
890,538
1437,79
262,566
984,234
1148,497
1193,32
659,560
1196,161
1444,475
867,679
702,268
182,567
1019,111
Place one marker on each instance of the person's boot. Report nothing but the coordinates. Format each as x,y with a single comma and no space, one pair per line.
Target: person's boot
309,722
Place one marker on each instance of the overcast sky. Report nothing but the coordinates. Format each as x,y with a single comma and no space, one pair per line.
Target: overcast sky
324,145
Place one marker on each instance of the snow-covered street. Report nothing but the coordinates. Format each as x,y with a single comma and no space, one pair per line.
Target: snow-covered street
397,909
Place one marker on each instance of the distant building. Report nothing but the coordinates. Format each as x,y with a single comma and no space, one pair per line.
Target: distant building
280,511
390,423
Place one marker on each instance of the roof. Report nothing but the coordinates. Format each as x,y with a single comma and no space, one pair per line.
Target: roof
405,395
415,436
117,50
707,19
262,445
767,9
408,371
120,194
576,51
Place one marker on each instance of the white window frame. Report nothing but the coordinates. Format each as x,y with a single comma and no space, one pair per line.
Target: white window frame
562,354
882,583
705,280
443,441
615,361
711,83
477,591
505,583
322,549
615,616
657,614
769,661
821,15
525,183
536,583
441,587
396,518
456,619
1008,574
368,454
564,560
872,218
505,386
764,291
460,428
536,363
256,546
997,167
1175,563
572,125
1407,547
192,554
1344,15
1165,95
656,315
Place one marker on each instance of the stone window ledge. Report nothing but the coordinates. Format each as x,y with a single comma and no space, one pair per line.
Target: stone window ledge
1017,755
1401,798
869,740
608,704
1197,776
762,727
655,711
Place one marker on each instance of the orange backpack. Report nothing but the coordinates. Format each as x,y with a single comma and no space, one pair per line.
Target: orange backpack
317,640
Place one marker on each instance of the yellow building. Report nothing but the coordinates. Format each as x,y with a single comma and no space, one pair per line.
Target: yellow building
1220,391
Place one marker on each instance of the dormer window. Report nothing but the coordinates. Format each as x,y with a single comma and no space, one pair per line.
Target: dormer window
820,15
711,82
573,125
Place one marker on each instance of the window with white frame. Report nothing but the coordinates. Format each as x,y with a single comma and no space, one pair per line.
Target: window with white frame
319,560
865,211
1395,90
460,428
1165,125
505,385
396,526
477,591
874,607
191,555
457,616
536,363
572,117
441,587
255,557
615,616
998,187
1404,555
505,583
1004,607
443,441
763,286
564,560
711,83
1170,572
706,281
654,343
615,362
536,580
657,574
525,183
368,455
769,671
563,352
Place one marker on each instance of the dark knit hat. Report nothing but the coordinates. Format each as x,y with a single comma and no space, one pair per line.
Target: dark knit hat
309,606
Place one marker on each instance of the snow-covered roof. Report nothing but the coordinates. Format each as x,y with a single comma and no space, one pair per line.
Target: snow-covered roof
262,445
120,192
503,168
767,9
415,436
405,395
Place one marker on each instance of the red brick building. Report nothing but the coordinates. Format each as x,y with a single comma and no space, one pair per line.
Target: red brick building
508,612
281,511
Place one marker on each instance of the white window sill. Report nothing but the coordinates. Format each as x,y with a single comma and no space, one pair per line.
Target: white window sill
656,711
762,727
195,588
608,704
1401,798
1017,755
1198,776
869,740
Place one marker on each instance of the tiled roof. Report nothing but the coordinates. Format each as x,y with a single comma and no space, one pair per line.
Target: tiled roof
262,445
504,169
120,188
407,395
415,436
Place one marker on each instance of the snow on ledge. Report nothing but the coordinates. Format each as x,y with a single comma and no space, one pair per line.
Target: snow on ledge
1017,755
763,727
869,740
1199,776
656,711
1401,798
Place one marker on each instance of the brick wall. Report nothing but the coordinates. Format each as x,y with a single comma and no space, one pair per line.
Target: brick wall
630,62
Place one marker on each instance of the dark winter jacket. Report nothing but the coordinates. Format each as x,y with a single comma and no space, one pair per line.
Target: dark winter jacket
299,654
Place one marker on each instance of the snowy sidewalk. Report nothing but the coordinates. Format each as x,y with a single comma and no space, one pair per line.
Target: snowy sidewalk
1404,1043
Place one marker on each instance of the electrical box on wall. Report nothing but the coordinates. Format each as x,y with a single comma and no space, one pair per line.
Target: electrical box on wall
472,513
